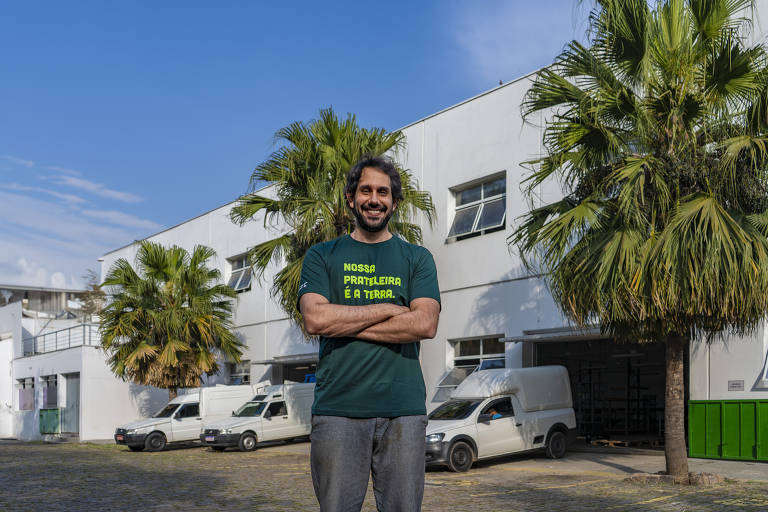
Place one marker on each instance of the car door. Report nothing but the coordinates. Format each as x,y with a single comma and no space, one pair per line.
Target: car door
187,422
276,424
499,434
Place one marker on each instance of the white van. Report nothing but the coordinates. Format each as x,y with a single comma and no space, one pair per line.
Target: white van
502,411
279,412
183,417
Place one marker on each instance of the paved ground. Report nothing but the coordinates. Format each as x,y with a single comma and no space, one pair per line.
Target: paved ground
68,477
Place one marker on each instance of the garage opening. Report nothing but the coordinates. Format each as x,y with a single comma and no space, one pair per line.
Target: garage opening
618,388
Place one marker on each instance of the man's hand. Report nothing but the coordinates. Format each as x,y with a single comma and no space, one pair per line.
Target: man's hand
334,321
419,323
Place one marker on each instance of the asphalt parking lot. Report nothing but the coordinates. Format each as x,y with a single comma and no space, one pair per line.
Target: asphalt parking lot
70,476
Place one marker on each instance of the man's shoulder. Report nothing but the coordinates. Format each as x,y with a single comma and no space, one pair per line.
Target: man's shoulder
417,250
328,245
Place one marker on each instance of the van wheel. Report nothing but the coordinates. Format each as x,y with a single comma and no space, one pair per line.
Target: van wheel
460,457
155,442
557,445
247,442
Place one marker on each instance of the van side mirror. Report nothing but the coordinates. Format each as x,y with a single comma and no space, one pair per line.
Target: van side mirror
484,418
268,414
233,413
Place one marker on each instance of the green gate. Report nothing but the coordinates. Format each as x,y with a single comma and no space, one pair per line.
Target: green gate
728,429
50,422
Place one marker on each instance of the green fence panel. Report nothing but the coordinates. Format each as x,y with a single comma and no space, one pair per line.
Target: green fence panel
697,438
762,430
49,421
713,429
728,429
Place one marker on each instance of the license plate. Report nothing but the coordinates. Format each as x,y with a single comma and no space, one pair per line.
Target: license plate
119,438
210,439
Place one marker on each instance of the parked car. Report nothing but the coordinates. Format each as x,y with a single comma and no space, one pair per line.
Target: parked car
183,417
498,412
280,412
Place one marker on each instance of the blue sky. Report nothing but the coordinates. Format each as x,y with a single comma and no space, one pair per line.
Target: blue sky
118,119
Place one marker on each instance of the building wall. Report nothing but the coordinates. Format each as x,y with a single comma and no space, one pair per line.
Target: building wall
107,402
7,387
484,288
735,359
52,363
10,344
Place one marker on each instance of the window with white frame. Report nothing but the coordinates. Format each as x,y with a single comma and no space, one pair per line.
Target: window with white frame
26,389
240,279
470,355
481,207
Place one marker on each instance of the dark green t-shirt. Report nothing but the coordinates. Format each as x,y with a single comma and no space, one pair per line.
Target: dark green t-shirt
357,378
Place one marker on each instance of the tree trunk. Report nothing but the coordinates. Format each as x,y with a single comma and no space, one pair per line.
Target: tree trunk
172,393
675,449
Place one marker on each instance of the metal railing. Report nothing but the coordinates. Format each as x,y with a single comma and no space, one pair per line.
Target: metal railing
75,336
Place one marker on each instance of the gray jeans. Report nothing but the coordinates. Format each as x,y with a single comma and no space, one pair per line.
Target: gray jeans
346,450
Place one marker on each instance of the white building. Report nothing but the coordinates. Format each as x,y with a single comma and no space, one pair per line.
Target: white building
494,313
469,158
54,378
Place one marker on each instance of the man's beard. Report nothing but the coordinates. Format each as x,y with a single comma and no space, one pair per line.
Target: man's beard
372,228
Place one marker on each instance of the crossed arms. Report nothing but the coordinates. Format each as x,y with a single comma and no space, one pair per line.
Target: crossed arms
384,322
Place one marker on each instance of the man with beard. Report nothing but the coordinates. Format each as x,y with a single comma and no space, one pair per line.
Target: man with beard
371,297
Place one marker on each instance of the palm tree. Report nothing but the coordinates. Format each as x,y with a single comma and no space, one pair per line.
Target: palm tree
165,323
657,132
309,172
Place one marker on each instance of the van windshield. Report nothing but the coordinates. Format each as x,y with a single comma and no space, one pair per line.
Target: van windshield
454,410
250,409
167,411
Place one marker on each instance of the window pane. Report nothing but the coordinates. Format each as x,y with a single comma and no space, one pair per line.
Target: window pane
467,348
456,375
245,282
491,364
277,409
237,264
234,279
189,411
495,187
468,195
493,346
442,394
464,221
493,214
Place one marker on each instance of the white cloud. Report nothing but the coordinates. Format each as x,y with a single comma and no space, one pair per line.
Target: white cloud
45,243
18,161
64,170
70,198
96,188
122,219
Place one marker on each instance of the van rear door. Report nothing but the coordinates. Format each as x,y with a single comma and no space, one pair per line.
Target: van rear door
500,434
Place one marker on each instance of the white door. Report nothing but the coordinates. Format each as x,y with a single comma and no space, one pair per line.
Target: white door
275,424
499,434
187,422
